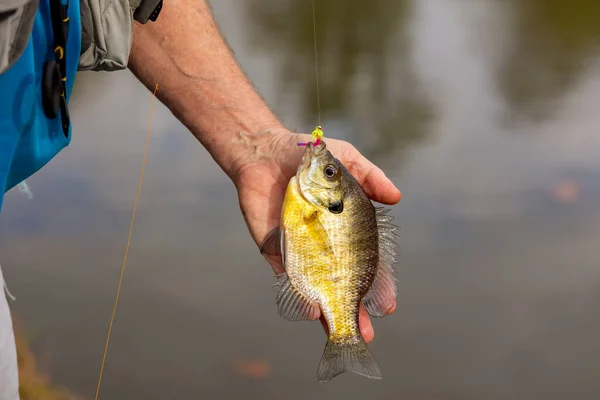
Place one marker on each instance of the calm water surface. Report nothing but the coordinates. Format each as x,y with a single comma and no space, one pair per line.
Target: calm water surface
486,116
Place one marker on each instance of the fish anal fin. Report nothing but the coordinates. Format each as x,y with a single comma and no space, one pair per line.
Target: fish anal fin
293,305
381,297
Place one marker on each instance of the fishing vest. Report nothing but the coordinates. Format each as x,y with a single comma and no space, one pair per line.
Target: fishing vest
35,91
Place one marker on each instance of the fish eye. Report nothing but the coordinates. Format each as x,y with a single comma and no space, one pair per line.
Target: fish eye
330,171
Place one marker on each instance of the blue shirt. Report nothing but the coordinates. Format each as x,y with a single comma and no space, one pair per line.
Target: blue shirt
28,139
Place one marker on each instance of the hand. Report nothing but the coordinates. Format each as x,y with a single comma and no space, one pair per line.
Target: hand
261,179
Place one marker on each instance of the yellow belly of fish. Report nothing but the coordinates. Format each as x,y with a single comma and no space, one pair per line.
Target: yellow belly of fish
313,268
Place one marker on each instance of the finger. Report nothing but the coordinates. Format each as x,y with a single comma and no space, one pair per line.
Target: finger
364,324
379,188
373,180
324,324
276,263
392,309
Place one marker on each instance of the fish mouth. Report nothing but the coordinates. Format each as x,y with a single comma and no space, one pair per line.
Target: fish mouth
309,155
310,152
318,149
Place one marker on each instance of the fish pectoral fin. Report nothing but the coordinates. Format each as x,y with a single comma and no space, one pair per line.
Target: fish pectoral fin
272,243
382,295
293,305
310,215
315,228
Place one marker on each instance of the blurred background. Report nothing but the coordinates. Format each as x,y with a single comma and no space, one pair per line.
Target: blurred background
485,114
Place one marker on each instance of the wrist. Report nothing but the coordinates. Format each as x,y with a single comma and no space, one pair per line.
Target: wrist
248,149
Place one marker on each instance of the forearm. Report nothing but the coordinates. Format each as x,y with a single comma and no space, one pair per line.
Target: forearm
200,82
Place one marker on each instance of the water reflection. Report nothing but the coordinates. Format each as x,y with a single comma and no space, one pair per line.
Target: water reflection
552,43
367,85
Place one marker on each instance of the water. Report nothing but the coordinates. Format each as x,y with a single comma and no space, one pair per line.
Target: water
483,113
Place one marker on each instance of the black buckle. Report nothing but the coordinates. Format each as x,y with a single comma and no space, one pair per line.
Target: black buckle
55,71
51,89
148,10
154,16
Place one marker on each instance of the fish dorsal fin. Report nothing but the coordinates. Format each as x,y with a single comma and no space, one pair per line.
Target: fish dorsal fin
292,305
381,296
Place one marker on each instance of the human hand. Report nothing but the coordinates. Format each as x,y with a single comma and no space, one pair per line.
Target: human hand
261,177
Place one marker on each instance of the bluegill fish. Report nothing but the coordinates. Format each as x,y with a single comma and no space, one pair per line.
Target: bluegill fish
338,250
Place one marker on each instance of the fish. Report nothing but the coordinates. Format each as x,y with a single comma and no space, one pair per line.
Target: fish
338,250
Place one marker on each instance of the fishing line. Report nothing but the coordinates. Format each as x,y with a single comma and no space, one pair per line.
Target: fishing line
316,61
137,197
317,133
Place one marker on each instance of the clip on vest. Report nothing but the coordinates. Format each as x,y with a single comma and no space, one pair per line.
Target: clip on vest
148,10
55,71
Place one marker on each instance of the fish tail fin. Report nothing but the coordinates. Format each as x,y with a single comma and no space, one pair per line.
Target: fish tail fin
340,357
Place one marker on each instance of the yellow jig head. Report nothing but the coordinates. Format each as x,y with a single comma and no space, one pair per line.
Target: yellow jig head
317,134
